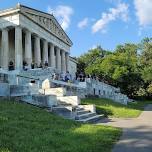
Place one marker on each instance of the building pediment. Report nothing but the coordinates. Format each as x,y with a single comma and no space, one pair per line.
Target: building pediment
47,21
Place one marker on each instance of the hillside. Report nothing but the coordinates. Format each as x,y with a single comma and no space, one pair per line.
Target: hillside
24,128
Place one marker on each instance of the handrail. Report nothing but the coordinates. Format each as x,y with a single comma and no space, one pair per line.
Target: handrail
66,83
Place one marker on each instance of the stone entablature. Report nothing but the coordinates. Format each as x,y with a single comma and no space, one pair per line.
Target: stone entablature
9,20
47,21
36,29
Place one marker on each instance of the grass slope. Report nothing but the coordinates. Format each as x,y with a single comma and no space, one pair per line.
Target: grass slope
113,109
24,128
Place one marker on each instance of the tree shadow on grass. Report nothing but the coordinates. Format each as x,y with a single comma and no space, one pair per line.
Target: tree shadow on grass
106,112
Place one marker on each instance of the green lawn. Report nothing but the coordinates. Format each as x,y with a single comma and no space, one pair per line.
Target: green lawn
24,128
113,109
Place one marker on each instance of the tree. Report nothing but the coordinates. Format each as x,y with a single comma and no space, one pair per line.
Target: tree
90,57
128,67
146,63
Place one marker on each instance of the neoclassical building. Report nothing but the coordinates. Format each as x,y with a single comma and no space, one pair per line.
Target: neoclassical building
30,35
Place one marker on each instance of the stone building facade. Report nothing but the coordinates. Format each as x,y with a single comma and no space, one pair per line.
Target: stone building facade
30,35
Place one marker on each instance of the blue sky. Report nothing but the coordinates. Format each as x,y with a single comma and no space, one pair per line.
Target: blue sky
97,22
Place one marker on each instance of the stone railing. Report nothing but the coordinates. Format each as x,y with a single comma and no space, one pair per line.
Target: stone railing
100,89
38,72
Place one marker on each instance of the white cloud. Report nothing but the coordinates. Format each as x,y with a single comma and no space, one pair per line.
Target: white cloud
144,11
63,14
120,12
82,24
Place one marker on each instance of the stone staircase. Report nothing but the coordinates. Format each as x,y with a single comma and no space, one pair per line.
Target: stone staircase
54,99
86,116
76,113
70,107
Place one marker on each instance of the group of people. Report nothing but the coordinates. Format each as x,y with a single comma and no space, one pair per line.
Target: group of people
82,77
63,76
79,77
66,77
41,65
33,65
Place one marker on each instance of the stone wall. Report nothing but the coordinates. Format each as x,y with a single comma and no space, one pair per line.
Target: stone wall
4,89
81,89
102,90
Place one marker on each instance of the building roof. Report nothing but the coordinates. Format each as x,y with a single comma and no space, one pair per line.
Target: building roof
21,8
73,59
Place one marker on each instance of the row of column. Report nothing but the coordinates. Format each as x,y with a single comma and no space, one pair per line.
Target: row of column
59,61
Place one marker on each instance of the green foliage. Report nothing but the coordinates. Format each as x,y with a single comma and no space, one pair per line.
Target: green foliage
142,92
146,63
147,73
128,67
89,58
150,89
24,128
146,59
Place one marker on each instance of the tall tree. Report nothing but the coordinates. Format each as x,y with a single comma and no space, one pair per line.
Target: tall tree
146,63
128,67
90,57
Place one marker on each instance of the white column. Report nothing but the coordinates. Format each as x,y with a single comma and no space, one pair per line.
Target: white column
37,51
52,56
28,48
63,65
45,51
18,48
5,48
67,61
58,59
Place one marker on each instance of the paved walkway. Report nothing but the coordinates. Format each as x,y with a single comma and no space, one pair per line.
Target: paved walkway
137,132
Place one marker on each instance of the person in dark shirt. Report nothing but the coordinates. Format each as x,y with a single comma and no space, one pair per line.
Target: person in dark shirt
46,64
32,65
11,66
25,65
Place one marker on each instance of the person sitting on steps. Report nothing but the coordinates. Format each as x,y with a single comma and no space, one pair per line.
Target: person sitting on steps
46,64
11,66
32,65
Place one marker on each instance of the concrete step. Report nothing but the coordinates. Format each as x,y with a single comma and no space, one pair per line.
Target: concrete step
59,92
62,108
84,116
79,109
64,111
63,104
82,112
91,119
73,100
40,100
